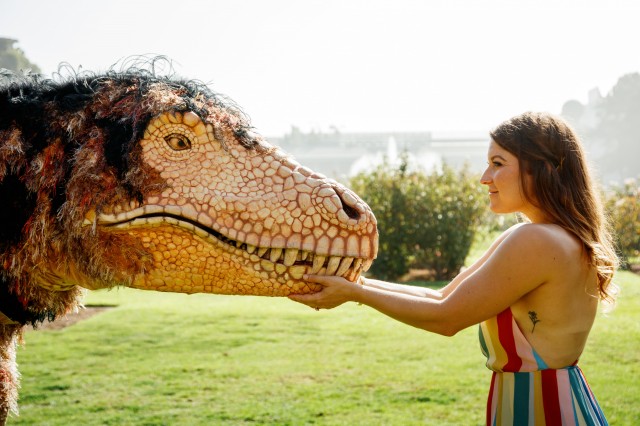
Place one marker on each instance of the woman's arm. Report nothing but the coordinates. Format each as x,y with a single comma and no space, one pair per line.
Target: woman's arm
443,292
519,263
410,290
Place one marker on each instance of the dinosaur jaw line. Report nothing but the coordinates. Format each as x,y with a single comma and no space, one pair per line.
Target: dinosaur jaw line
294,261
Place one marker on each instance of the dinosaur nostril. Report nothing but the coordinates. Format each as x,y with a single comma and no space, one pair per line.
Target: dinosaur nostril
349,210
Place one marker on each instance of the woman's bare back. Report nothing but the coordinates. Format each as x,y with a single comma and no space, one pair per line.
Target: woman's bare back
557,316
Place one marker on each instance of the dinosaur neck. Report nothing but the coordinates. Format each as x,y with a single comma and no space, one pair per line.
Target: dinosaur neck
21,307
39,306
15,309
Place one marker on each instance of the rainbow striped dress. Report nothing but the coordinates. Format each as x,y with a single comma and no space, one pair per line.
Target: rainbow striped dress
524,391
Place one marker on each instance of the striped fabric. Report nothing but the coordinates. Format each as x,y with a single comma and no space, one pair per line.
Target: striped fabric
524,391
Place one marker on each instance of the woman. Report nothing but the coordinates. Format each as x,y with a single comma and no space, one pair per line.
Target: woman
535,292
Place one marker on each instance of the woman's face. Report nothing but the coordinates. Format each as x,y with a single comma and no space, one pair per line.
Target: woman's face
502,178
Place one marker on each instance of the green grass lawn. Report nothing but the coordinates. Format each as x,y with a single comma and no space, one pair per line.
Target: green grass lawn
170,359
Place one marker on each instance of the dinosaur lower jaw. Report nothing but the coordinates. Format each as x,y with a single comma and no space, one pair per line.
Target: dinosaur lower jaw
292,261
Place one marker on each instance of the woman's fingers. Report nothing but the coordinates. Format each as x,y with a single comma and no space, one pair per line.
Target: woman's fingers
335,292
303,298
310,300
318,279
325,280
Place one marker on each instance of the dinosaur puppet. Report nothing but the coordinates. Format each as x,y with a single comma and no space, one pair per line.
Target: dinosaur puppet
129,178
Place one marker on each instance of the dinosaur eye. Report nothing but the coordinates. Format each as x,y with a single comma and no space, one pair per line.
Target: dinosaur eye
178,142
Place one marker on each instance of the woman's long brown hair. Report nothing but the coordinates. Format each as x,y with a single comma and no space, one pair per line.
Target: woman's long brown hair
549,150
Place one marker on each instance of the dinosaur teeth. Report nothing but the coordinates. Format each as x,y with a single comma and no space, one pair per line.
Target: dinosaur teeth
275,254
318,262
357,263
298,262
280,260
290,256
367,264
345,263
333,264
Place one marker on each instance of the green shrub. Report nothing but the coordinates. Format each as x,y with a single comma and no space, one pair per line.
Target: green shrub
445,211
426,221
384,189
623,205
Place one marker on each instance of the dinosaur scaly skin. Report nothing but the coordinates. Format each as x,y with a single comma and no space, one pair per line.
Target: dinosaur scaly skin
133,179
236,221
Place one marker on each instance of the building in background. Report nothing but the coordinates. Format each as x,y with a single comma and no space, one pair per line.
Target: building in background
342,155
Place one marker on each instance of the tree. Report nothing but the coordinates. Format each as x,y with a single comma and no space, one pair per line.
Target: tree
610,128
448,206
425,221
623,205
384,190
13,58
619,126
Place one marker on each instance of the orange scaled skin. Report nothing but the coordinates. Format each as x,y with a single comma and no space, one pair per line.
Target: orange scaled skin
232,220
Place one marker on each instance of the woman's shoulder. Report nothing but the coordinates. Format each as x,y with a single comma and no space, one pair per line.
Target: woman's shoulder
545,231
546,238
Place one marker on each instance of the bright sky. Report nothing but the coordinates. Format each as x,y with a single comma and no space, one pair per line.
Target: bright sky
368,65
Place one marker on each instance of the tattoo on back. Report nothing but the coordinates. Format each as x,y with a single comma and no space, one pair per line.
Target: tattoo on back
533,316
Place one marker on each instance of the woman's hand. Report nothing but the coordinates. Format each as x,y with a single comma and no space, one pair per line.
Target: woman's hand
335,292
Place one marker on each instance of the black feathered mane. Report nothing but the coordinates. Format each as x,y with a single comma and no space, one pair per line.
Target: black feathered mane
71,138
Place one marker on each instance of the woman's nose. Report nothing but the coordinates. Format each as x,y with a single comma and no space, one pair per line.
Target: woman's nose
485,179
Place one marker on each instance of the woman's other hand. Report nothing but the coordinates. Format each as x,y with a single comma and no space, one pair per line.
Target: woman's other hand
335,292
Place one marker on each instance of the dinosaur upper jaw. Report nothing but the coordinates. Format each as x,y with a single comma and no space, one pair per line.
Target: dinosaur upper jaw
273,270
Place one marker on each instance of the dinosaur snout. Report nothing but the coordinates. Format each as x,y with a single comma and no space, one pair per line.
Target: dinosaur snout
334,201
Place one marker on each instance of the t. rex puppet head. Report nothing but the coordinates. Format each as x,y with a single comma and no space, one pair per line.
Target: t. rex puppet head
134,179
